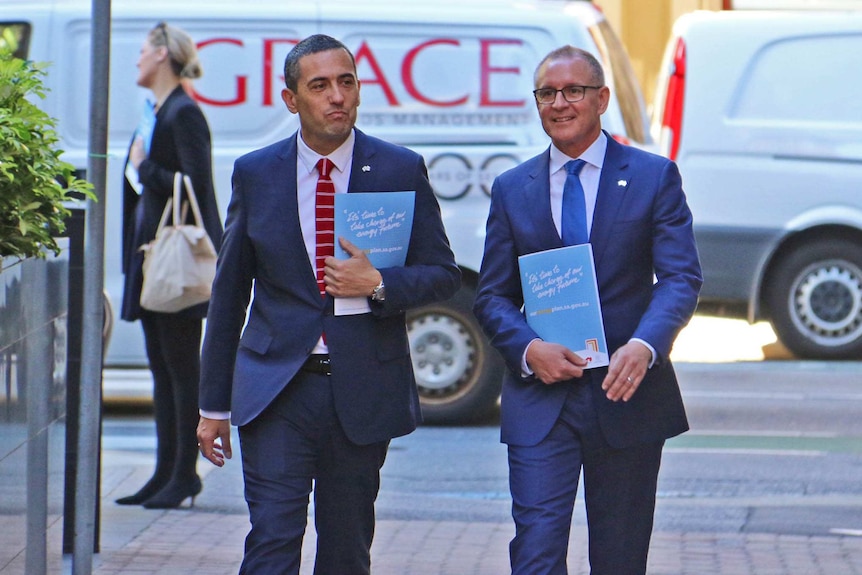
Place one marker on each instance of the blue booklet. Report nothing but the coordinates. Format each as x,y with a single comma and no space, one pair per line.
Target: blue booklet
561,300
145,128
146,125
379,223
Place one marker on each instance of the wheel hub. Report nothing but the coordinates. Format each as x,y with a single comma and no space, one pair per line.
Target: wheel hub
828,303
443,354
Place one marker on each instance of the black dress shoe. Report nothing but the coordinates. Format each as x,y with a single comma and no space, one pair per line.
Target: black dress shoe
174,493
149,489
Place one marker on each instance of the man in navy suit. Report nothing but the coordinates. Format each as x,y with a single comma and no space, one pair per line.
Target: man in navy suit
558,418
317,395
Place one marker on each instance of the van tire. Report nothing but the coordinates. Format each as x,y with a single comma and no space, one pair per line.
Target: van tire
458,373
814,299
107,321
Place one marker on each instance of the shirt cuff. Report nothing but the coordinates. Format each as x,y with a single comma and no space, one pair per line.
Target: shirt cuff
214,414
650,348
525,369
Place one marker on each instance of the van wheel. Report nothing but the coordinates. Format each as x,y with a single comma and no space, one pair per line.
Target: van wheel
815,300
458,373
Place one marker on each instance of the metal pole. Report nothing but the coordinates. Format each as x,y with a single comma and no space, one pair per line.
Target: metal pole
36,348
94,249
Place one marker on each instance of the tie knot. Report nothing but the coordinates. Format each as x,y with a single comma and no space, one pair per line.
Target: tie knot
324,167
573,167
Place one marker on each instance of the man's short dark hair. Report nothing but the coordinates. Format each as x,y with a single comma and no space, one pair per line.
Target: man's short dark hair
311,45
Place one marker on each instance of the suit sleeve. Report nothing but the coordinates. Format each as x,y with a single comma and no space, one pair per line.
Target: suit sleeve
675,264
231,294
430,273
499,298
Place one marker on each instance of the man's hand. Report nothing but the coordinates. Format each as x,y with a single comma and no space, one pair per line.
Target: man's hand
626,371
209,430
354,277
552,362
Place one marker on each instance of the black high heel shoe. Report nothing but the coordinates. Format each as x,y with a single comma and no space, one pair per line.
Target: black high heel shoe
149,489
173,494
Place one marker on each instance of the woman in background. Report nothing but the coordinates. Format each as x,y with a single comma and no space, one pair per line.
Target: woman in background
178,140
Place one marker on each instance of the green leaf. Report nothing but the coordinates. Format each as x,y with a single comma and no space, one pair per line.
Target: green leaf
32,210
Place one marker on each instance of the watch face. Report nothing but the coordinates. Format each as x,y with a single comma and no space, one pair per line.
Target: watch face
379,293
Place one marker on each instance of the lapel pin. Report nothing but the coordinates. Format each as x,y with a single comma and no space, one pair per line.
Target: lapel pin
366,168
622,183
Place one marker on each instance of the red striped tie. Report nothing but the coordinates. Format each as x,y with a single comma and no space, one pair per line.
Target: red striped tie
324,211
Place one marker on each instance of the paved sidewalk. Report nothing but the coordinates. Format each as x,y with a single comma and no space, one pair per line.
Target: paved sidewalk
208,540
204,543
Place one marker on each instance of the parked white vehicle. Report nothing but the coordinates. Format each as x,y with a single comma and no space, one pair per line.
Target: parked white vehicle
761,111
451,79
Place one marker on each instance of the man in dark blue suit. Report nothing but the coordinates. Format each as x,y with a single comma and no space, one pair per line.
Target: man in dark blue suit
316,394
558,418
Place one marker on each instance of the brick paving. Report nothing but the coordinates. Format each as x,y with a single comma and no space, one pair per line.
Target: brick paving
208,540
201,543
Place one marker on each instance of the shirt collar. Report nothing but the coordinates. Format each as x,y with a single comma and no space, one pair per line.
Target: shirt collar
594,155
341,156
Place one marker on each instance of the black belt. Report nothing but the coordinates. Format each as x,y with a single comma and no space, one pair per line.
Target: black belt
318,363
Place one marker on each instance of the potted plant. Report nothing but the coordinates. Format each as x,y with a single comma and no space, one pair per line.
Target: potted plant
35,184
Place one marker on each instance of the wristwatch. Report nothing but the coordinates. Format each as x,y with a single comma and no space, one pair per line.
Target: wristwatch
379,293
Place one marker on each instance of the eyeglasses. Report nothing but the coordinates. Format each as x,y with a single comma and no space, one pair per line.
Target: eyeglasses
163,27
572,94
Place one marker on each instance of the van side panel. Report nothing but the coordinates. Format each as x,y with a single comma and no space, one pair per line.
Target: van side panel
771,160
734,260
768,110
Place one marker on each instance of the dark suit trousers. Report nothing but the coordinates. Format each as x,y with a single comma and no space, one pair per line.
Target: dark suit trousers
173,345
619,493
298,440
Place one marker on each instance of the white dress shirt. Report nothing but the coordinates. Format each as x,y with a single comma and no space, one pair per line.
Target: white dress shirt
594,156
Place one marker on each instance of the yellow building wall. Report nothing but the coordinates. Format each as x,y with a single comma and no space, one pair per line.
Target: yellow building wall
644,28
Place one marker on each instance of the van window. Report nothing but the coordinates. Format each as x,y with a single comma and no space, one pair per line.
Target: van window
814,89
15,36
624,83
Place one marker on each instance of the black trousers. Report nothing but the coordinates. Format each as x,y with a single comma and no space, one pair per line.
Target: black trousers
173,350
295,443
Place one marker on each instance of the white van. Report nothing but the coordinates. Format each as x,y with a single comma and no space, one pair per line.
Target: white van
761,110
451,79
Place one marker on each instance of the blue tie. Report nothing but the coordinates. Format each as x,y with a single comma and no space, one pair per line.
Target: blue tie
574,217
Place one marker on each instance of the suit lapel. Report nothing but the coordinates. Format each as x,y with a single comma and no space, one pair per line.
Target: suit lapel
536,203
285,213
284,184
362,172
613,185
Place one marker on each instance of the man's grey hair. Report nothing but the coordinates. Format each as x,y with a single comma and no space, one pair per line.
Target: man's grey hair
570,52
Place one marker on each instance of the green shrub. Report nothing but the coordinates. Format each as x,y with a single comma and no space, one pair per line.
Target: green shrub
35,184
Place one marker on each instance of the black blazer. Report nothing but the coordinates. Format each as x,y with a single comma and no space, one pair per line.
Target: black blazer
181,143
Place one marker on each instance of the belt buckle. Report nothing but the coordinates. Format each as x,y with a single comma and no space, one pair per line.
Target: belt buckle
317,364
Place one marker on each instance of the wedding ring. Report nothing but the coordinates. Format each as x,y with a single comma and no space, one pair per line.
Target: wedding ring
629,379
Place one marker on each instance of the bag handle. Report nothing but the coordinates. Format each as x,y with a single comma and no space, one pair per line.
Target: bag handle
178,197
172,207
193,201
